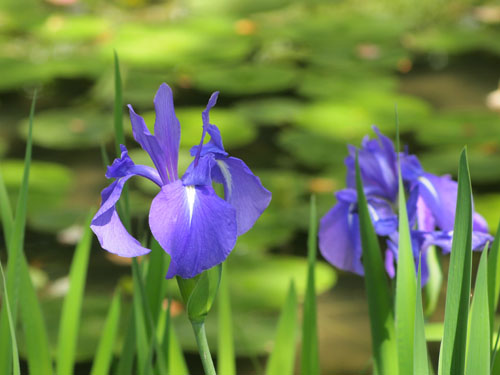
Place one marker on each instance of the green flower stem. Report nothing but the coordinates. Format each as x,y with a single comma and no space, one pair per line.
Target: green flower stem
201,340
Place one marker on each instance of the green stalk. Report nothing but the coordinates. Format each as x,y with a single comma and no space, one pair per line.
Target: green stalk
201,340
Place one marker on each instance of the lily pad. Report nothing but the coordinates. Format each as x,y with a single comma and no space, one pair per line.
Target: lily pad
247,79
483,164
49,187
458,128
270,112
312,149
75,28
70,129
176,44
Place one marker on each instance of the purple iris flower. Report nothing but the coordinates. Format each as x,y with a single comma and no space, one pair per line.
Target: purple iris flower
430,205
189,220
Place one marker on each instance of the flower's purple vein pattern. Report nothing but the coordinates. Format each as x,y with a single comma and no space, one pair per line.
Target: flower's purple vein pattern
196,227
430,205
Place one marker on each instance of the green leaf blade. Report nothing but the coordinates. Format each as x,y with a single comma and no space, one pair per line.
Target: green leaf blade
282,357
310,353
478,348
225,350
494,279
379,299
72,305
406,289
15,250
420,358
12,329
452,354
104,353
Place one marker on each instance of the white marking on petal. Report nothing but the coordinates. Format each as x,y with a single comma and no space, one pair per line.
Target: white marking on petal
373,212
191,196
224,168
429,187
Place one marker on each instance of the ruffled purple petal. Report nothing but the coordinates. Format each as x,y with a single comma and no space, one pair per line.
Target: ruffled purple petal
243,190
167,128
149,143
200,174
108,227
339,238
194,226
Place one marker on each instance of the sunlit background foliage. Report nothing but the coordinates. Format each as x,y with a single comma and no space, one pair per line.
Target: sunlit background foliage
298,80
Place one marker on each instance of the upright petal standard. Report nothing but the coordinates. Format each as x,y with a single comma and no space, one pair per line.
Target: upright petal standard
189,220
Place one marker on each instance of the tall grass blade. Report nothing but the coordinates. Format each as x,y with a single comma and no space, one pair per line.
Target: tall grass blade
452,355
12,329
176,364
310,355
145,327
155,279
406,289
126,360
104,353
15,251
118,108
377,289
282,357
36,338
494,279
33,322
478,348
420,358
72,306
5,212
225,351
141,331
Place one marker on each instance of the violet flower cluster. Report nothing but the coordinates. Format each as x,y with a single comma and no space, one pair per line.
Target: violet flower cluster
189,220
430,204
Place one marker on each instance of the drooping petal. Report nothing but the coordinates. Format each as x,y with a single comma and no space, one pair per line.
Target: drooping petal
383,217
193,225
479,223
243,190
149,143
339,238
108,227
167,128
425,219
445,239
124,166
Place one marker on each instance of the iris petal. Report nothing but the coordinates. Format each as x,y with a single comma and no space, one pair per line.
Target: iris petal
243,190
193,225
149,143
108,227
124,166
339,240
167,128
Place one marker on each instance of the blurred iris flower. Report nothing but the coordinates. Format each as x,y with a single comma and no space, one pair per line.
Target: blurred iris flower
189,220
430,205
